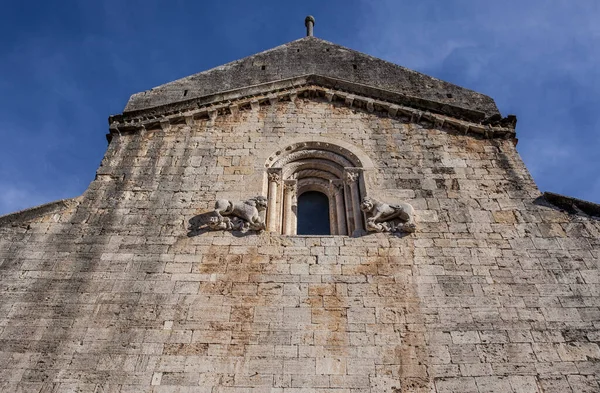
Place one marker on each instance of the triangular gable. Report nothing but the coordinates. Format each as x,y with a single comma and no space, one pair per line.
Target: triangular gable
312,56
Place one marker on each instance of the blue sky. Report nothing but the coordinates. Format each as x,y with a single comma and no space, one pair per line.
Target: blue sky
66,66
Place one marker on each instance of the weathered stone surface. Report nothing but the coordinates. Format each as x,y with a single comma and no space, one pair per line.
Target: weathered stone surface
312,56
494,292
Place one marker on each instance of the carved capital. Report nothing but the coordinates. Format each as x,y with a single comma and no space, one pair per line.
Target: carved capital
351,175
274,176
336,186
290,187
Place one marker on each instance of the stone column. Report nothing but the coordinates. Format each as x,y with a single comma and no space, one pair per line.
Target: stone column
333,224
337,195
351,177
289,207
274,175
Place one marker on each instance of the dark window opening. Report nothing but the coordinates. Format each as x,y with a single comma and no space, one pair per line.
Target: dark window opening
263,67
185,93
313,214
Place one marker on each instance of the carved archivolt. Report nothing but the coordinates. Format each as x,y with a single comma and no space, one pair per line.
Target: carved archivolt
314,154
315,166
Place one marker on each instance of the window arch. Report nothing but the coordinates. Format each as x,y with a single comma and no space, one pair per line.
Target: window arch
315,167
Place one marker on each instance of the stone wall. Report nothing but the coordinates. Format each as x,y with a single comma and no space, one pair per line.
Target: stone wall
495,292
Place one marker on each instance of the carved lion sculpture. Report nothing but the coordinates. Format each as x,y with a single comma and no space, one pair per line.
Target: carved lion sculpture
382,217
239,216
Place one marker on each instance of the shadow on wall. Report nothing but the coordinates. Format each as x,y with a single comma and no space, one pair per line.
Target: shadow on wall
199,224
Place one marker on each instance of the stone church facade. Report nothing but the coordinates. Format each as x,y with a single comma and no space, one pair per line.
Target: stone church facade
181,268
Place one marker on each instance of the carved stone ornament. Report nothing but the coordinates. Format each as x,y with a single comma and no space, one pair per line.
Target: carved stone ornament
350,177
274,176
239,216
291,187
382,217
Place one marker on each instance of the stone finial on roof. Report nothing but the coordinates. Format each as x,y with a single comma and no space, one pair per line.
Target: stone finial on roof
309,22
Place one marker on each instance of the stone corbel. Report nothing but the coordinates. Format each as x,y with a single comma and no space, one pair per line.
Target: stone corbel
416,117
234,109
165,124
438,123
349,100
189,120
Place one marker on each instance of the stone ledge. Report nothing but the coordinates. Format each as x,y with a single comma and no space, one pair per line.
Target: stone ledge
314,86
25,215
573,205
298,82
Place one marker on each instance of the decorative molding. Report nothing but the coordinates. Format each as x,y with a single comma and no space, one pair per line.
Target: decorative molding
372,100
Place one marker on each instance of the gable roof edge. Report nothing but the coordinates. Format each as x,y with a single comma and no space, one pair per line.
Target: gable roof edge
358,96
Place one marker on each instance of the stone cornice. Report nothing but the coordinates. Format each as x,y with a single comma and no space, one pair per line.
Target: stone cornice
573,205
373,100
32,213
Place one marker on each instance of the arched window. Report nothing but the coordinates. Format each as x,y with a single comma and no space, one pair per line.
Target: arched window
318,167
313,214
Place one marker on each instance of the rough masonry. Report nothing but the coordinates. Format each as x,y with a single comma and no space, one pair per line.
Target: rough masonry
125,289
